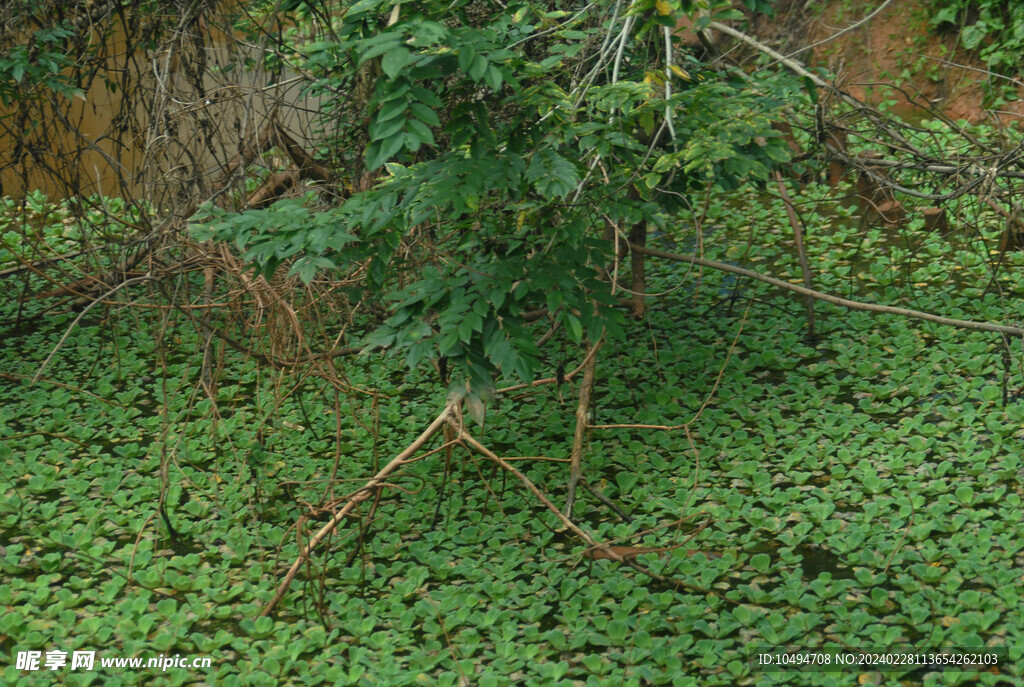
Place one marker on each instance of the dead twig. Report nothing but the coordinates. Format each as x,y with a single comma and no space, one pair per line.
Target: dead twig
580,434
798,238
836,300
362,494
608,551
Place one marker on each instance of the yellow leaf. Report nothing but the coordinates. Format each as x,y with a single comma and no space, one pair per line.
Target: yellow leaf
654,78
662,7
680,72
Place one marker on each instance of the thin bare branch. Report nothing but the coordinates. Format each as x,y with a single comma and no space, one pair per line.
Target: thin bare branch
835,300
580,434
360,495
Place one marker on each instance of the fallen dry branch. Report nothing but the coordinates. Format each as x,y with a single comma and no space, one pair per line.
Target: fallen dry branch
362,494
606,552
580,434
798,238
835,300
451,418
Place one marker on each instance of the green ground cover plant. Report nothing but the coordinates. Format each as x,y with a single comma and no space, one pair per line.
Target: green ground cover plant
861,490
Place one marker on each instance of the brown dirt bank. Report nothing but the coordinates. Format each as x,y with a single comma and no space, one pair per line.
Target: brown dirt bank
894,56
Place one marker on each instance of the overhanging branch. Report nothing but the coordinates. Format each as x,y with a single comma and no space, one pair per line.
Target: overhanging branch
829,298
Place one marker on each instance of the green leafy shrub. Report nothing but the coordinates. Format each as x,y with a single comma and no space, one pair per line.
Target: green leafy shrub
505,138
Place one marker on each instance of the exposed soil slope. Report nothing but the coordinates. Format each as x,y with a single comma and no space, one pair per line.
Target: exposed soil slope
894,56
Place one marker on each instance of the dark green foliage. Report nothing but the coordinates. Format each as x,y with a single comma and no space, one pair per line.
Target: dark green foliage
38,62
510,135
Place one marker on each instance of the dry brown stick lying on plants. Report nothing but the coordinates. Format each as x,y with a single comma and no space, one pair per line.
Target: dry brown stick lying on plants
595,545
634,551
628,552
798,238
580,434
604,499
365,492
836,300
634,425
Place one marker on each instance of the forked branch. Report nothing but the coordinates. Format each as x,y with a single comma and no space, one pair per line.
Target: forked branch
605,551
363,493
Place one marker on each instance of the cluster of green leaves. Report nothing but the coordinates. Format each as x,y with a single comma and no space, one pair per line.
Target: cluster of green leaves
509,135
40,62
993,28
272,237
